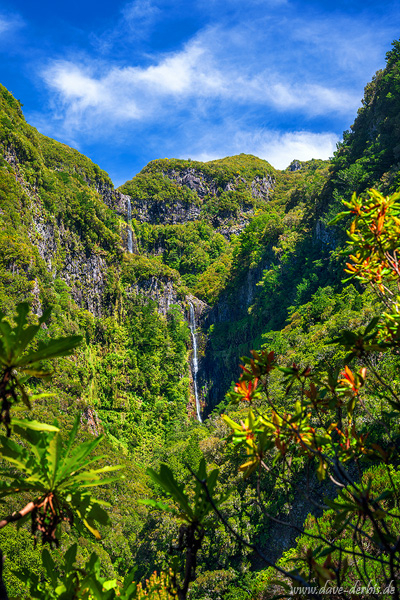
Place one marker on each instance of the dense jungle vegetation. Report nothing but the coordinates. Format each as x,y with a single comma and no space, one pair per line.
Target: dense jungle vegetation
296,462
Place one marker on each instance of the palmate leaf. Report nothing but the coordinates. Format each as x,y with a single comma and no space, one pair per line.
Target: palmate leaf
78,461
63,479
104,481
20,485
67,581
23,338
16,339
15,454
17,364
91,478
52,457
51,471
39,444
72,435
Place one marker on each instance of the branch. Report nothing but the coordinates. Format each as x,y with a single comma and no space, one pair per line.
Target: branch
16,516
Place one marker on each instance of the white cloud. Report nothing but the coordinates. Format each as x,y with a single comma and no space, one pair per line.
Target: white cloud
311,99
261,79
184,72
191,79
278,148
140,13
10,23
281,148
86,100
188,73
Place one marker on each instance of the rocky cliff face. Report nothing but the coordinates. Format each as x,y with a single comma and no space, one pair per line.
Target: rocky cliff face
220,366
193,179
228,205
67,259
204,184
160,289
158,212
114,199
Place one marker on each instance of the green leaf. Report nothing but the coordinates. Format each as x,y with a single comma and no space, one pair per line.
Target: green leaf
77,460
325,552
92,530
49,565
371,325
156,504
70,557
13,453
51,349
167,481
339,217
99,481
19,424
72,435
35,397
97,513
93,474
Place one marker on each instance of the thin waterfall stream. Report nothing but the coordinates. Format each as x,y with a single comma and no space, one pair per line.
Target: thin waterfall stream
129,219
195,363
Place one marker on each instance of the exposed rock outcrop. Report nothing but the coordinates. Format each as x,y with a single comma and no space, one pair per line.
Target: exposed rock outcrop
174,210
195,180
262,187
159,289
295,165
159,212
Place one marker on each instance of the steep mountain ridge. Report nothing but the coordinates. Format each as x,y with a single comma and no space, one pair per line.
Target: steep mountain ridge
62,218
223,194
62,245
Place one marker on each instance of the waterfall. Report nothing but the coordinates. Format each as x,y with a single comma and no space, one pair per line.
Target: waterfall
129,218
195,364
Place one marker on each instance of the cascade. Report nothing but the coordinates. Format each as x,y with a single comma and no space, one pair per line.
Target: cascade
129,218
195,364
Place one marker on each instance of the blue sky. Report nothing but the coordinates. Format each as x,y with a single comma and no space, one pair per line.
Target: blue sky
127,82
